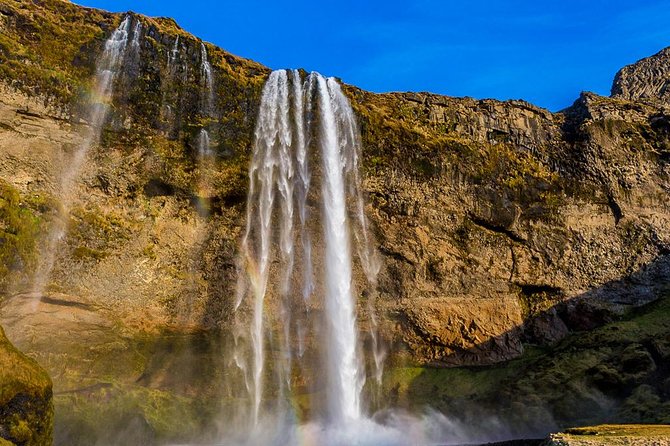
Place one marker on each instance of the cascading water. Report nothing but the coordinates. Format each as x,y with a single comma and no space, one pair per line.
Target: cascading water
206,100
109,65
300,121
172,55
296,333
167,83
205,159
346,379
203,144
206,74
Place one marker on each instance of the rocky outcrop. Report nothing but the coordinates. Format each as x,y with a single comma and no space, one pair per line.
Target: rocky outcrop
546,214
617,373
647,79
26,408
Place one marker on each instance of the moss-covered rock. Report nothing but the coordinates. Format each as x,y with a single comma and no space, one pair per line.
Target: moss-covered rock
611,374
26,406
613,435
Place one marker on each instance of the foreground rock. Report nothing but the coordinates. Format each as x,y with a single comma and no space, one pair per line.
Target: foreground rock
115,385
613,435
26,408
616,373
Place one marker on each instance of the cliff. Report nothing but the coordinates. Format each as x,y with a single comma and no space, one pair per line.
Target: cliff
501,225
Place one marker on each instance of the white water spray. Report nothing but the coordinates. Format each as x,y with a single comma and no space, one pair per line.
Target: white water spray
203,144
296,318
345,377
109,66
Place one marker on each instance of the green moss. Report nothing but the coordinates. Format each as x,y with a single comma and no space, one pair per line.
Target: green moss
155,416
25,396
175,166
588,377
20,222
94,232
27,59
84,252
149,251
19,431
621,430
167,386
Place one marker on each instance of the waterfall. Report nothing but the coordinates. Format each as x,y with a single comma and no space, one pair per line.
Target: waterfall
206,99
205,154
206,76
280,287
343,393
108,67
168,90
172,56
203,144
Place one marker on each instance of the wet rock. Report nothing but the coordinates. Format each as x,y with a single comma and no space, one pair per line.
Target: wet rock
545,328
453,331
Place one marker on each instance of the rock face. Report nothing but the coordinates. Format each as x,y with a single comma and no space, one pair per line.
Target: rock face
499,223
26,408
617,373
550,216
647,79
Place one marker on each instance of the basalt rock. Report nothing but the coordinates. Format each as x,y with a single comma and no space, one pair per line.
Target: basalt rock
647,79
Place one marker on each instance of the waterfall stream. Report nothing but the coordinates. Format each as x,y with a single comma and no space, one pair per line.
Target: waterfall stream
205,154
307,144
125,39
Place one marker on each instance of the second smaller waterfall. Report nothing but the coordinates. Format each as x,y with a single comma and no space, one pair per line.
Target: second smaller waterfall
109,66
207,81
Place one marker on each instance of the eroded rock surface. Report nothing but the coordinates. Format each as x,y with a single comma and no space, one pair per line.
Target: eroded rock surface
646,79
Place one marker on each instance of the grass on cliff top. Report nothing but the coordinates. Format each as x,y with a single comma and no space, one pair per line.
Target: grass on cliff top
49,47
29,34
622,430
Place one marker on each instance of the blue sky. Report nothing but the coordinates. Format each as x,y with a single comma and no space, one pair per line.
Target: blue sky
545,52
